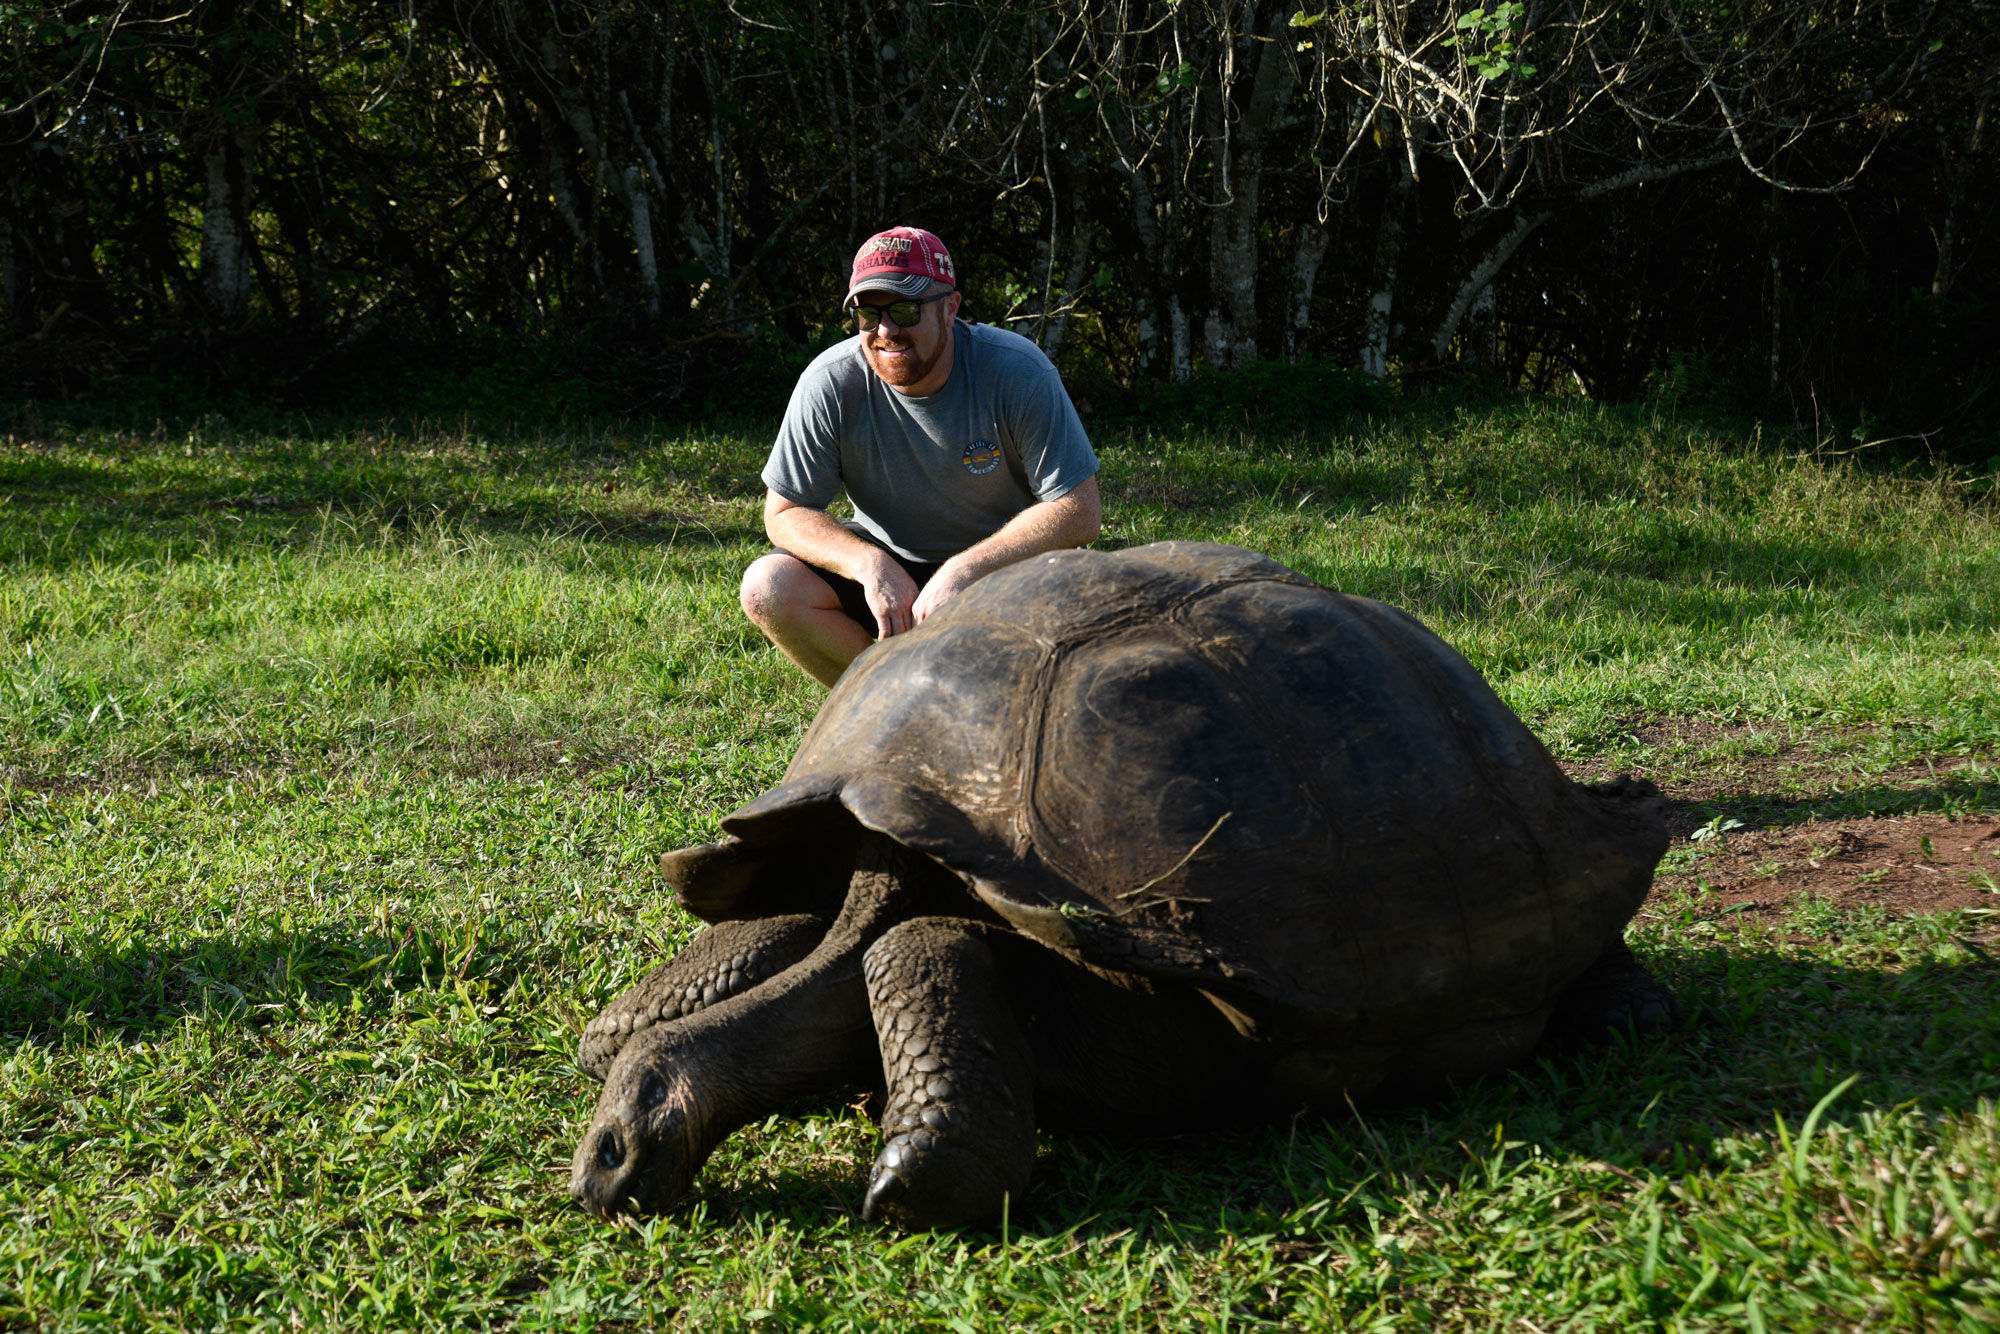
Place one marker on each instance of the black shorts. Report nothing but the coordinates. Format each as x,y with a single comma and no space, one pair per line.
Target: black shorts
853,600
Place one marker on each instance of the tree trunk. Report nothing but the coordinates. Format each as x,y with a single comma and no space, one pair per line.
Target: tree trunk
1162,315
640,203
296,229
1180,324
1378,326
1478,284
1309,243
76,249
1159,295
1083,232
1151,305
719,164
1066,297
12,289
564,197
641,179
1482,330
1182,369
333,130
225,225
169,274
1946,271
1229,334
705,250
1777,320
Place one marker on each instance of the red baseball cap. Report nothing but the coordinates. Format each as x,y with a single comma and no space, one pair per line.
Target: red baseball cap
903,260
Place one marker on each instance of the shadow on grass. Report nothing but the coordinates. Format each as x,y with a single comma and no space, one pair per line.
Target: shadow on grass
1683,552
1683,576
139,988
1769,1034
55,540
55,513
1760,810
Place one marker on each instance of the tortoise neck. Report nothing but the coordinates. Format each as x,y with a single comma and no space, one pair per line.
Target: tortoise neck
807,1030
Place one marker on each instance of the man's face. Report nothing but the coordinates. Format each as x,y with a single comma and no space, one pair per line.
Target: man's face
913,360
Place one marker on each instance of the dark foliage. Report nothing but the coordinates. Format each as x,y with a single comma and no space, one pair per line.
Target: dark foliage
1775,207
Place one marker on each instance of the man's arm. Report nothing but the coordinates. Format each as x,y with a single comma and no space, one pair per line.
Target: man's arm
817,538
1072,519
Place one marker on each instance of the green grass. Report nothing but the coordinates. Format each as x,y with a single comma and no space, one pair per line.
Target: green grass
332,768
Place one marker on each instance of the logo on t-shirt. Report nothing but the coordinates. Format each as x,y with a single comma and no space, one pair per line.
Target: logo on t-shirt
981,457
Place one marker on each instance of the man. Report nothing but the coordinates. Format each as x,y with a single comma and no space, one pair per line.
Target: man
955,442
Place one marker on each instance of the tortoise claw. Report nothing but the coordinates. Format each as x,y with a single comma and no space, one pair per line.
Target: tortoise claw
887,1188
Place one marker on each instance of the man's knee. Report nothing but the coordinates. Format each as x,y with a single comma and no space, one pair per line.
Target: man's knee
778,588
762,594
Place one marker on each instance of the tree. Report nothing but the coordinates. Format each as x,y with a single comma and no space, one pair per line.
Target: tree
1144,186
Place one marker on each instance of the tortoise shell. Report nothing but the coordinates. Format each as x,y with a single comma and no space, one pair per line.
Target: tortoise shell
1188,762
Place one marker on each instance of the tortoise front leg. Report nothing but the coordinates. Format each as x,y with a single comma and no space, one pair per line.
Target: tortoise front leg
726,960
959,1124
983,1032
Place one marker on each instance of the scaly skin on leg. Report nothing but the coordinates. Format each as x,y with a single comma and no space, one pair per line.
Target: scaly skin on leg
982,1032
676,1090
726,960
959,1124
1615,994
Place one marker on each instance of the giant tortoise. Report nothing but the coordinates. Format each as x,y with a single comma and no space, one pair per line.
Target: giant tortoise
1143,841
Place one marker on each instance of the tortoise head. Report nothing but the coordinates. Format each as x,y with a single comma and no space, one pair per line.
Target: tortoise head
644,1145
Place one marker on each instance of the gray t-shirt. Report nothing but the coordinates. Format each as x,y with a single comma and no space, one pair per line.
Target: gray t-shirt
931,476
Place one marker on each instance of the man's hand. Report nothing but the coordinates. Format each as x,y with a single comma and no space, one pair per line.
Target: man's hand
814,536
892,596
1071,520
952,578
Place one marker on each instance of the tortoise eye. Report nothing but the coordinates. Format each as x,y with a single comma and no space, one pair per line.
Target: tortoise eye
652,1091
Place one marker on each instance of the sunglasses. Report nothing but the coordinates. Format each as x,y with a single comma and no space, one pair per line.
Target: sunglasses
905,313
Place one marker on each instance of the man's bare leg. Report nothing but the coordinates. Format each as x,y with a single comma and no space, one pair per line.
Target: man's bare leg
800,613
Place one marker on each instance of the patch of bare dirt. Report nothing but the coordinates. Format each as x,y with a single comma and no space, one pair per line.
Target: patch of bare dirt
1902,864
1703,760
1765,814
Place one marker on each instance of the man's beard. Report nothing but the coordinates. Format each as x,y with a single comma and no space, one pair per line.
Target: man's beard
904,370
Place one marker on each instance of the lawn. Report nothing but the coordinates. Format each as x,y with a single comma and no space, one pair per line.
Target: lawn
334,763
